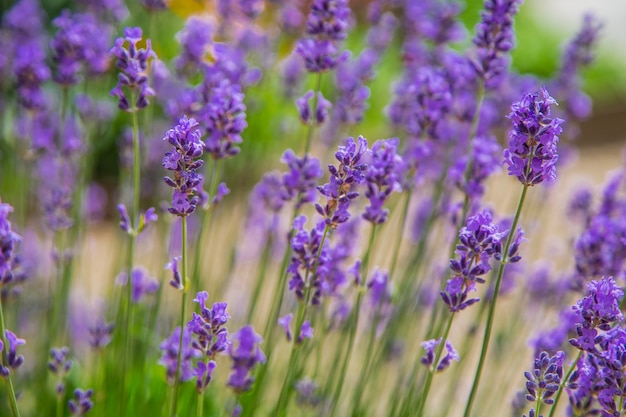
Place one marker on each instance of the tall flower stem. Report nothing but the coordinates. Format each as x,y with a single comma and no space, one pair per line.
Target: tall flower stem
183,313
200,404
293,369
12,398
557,397
205,224
355,321
127,303
492,305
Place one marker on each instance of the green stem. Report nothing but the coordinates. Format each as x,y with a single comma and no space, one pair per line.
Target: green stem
283,400
134,218
355,321
200,404
183,312
59,405
260,281
205,225
492,305
12,398
557,397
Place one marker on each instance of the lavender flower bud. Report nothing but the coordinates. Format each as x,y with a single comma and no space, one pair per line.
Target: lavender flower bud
532,151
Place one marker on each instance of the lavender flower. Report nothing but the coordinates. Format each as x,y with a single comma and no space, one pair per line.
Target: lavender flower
304,109
532,152
545,378
100,334
338,191
142,284
429,358
8,244
300,180
480,240
326,24
13,360
578,54
133,63
203,372
60,366
169,357
245,354
80,42
285,323
224,119
195,40
81,403
601,307
494,39
31,72
308,261
176,281
207,326
25,19
382,177
183,160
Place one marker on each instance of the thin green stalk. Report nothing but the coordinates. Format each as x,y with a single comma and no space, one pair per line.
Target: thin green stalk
400,234
492,305
9,382
205,225
59,405
557,397
260,281
183,312
134,218
283,400
200,404
355,322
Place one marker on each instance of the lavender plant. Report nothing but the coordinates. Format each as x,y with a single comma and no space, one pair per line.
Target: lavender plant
354,276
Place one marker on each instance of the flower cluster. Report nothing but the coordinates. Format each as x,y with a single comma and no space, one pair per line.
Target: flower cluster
429,358
480,240
224,119
169,356
320,113
600,309
8,242
80,42
133,63
326,24
494,39
308,262
545,378
339,190
382,177
532,151
300,180
13,360
184,161
60,366
210,337
245,354
81,403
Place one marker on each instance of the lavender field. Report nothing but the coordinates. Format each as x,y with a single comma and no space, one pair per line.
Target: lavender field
304,208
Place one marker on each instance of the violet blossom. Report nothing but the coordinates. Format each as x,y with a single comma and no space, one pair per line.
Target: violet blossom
133,63
531,155
184,161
